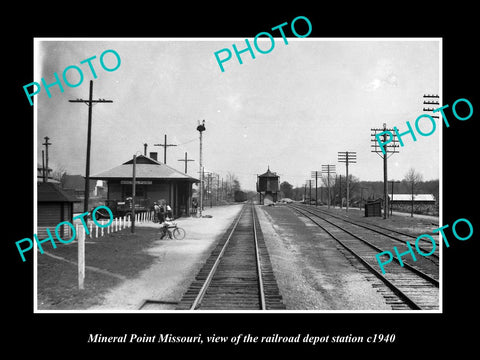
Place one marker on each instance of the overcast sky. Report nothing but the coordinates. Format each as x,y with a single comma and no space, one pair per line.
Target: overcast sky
292,109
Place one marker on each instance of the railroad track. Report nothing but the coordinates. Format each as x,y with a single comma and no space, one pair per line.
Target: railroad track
429,264
404,288
238,274
391,233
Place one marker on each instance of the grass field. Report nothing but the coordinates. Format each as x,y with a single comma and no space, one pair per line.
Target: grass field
108,260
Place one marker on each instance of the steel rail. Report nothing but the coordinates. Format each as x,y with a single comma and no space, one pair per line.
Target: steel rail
409,267
364,225
387,282
259,269
209,278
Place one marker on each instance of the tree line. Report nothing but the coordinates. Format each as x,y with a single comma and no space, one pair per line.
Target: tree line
359,190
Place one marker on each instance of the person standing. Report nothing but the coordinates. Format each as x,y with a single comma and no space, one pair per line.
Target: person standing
156,210
194,206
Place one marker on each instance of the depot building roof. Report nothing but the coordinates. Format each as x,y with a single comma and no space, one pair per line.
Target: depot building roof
145,168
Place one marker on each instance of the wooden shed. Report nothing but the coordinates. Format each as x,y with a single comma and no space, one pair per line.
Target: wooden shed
53,206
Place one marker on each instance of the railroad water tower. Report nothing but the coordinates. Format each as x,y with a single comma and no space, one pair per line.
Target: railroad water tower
267,187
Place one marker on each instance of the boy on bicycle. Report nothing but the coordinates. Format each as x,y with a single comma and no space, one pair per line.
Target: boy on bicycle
165,219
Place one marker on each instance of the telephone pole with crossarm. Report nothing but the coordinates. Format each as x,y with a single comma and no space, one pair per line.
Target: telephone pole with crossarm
90,102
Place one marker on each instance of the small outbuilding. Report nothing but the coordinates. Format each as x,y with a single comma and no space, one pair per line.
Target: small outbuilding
54,206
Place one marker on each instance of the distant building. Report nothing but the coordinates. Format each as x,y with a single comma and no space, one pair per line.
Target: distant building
76,184
422,203
423,199
48,174
154,181
267,187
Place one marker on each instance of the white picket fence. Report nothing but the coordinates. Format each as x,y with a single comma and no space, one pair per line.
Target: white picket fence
119,223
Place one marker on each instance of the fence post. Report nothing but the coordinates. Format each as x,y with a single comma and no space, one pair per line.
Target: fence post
81,258
102,228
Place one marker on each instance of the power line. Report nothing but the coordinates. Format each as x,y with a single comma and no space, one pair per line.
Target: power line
90,102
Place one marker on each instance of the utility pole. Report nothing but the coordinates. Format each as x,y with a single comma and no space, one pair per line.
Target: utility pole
391,207
310,187
347,158
222,197
328,169
218,186
390,148
90,102
315,175
340,191
46,143
361,196
200,129
431,102
207,192
164,145
209,187
43,166
186,160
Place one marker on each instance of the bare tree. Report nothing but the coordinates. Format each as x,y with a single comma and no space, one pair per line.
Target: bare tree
59,173
231,185
413,178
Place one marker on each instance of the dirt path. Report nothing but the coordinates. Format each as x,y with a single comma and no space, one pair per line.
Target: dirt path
312,274
176,264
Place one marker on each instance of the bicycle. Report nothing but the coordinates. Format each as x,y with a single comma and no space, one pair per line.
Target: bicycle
172,229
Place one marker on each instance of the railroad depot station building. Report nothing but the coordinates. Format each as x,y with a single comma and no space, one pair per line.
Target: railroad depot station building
154,181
